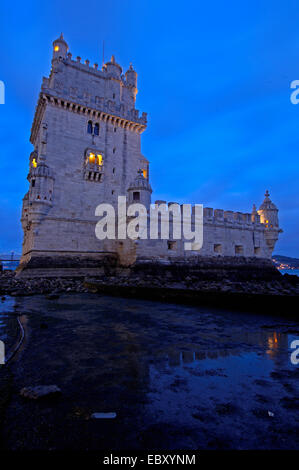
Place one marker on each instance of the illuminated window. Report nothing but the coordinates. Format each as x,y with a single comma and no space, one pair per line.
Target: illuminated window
96,129
89,127
144,172
92,158
56,48
34,163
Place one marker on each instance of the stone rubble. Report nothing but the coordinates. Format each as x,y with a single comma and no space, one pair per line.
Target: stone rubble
53,287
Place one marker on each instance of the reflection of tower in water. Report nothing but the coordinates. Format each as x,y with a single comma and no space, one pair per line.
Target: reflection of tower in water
272,343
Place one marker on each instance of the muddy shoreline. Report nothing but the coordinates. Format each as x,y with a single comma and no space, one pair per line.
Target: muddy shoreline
260,292
284,305
177,376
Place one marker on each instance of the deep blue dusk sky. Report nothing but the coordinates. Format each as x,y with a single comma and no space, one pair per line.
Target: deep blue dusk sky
214,78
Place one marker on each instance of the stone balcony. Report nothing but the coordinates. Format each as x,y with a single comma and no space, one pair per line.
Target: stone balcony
93,172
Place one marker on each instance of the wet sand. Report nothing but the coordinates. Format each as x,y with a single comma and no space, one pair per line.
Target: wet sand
178,377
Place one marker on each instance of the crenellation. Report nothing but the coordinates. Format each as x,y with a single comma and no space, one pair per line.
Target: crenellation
208,212
218,213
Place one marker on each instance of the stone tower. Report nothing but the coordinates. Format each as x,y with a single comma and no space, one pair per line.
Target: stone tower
86,136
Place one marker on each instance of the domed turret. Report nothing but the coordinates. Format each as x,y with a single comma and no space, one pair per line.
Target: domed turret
113,69
131,81
268,212
131,77
140,191
60,48
41,181
41,170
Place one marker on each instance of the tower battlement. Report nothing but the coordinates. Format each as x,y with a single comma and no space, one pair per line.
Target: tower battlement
106,94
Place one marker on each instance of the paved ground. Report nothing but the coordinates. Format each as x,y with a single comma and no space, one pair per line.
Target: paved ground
177,377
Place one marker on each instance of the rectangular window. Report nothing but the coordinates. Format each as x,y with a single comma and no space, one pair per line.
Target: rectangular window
239,250
171,245
218,248
257,250
33,183
136,196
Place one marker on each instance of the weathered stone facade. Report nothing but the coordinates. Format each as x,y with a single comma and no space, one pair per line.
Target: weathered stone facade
87,150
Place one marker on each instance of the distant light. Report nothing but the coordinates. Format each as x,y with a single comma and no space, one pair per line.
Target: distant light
56,48
34,163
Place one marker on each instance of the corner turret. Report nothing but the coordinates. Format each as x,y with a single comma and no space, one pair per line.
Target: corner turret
113,69
268,213
60,48
140,191
131,76
131,79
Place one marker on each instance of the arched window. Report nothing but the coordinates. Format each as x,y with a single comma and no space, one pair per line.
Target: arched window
89,127
96,129
94,158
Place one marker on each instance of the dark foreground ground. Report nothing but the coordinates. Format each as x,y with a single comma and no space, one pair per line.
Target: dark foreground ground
178,377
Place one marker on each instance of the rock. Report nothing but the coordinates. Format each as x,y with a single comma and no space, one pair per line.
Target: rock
40,391
52,296
16,293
